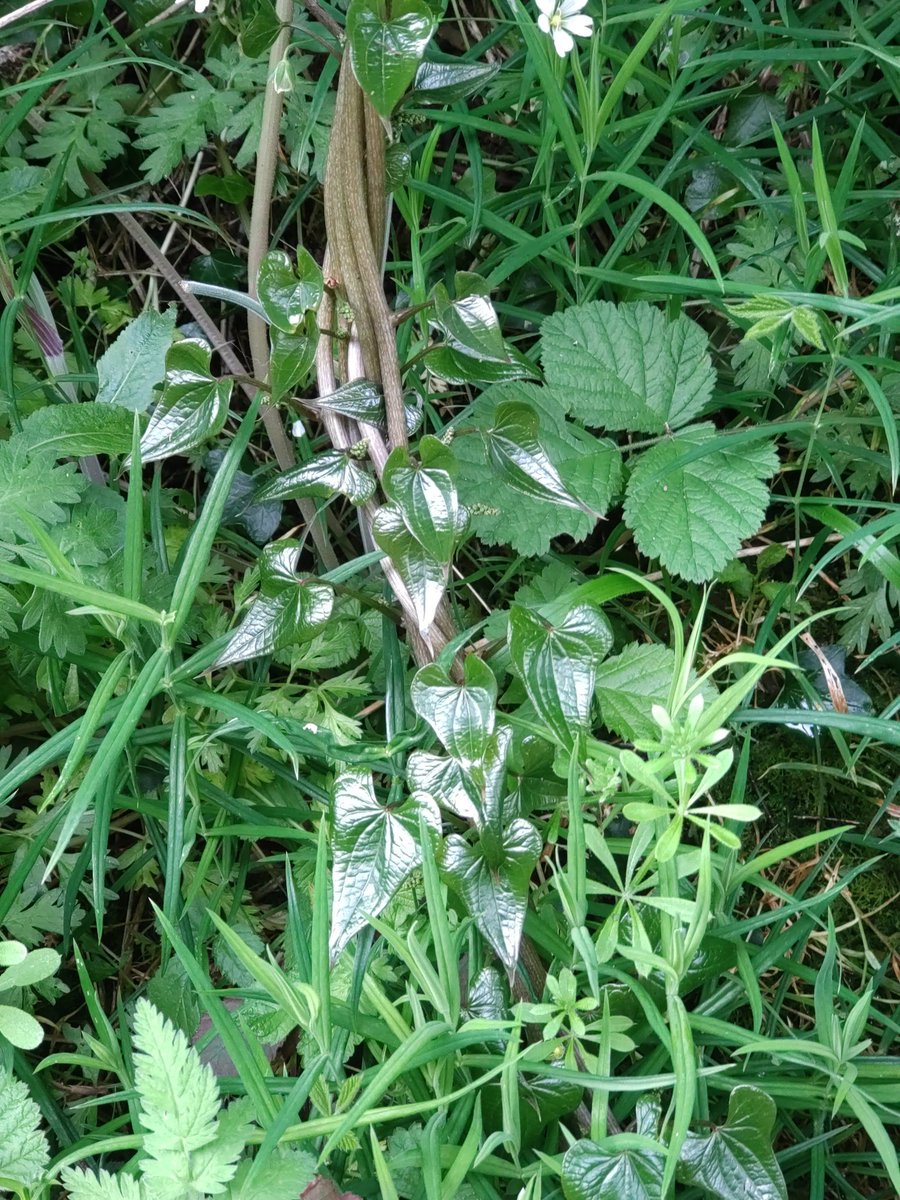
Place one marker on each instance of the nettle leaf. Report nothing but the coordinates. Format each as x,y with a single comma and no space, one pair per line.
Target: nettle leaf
626,1166
628,686
136,361
24,1152
737,1158
292,615
376,848
288,292
70,430
385,53
626,367
193,407
447,82
462,715
469,323
330,474
493,881
425,576
445,780
558,664
694,518
426,495
587,466
292,356
514,448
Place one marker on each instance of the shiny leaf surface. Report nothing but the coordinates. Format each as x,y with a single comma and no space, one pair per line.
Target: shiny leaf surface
447,82
274,621
445,780
455,367
292,357
193,407
626,1166
330,474
424,576
385,53
288,291
426,495
515,450
469,322
462,715
737,1158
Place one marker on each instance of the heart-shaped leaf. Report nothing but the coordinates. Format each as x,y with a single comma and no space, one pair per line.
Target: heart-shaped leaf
362,401
445,780
274,621
278,566
737,1158
447,82
469,323
626,1166
288,293
376,846
292,357
454,367
494,885
515,449
193,406
558,664
330,474
385,52
462,715
426,495
424,576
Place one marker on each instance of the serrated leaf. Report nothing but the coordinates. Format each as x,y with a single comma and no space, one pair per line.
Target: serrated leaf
36,486
469,323
515,449
628,686
283,1176
136,361
426,495
737,1158
22,191
193,407
72,430
694,518
177,128
495,887
292,356
462,715
385,53
424,576
447,82
376,848
589,468
82,1184
330,474
288,291
626,367
622,1167
558,665
280,620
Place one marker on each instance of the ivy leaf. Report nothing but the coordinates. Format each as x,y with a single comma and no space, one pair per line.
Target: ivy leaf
737,1158
501,513
288,293
136,361
494,886
292,615
35,485
424,576
385,53
193,407
426,495
447,82
462,715
330,474
70,430
626,367
558,664
376,847
515,450
694,518
24,1152
469,323
626,1166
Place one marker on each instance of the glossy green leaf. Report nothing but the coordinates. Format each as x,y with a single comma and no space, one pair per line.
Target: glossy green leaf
516,451
469,322
360,400
376,847
558,664
288,292
330,474
626,1166
462,715
193,407
424,576
257,34
386,52
278,566
292,356
397,166
494,883
136,361
737,1158
447,82
454,367
292,615
445,780
426,495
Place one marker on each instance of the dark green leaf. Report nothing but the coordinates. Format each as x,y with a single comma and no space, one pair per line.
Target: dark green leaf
136,361
259,33
558,664
469,322
292,357
462,715
447,82
292,615
65,430
515,450
361,401
737,1158
453,367
494,885
630,684
376,847
330,474
233,189
426,495
385,53
626,1166
286,292
424,576
193,406
397,164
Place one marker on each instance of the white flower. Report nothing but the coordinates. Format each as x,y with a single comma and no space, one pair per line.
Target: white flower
564,21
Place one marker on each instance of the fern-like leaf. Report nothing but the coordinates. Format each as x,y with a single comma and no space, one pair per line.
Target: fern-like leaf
23,1148
85,1185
